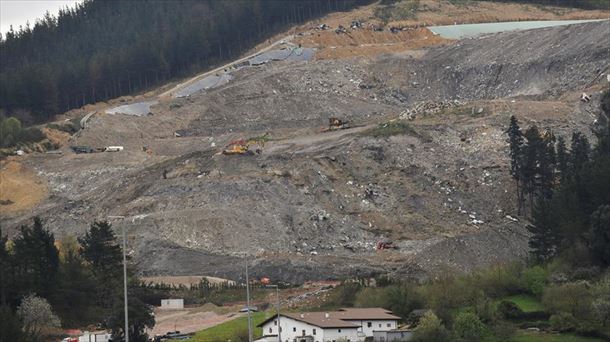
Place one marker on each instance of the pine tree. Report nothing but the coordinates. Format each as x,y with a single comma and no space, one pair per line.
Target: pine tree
530,169
515,139
101,251
562,159
37,259
544,236
600,235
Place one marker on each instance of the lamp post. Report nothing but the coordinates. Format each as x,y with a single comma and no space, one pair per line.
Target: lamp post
279,327
248,304
124,278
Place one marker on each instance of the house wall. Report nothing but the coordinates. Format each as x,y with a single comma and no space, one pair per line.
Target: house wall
392,336
288,326
172,303
333,334
376,325
322,335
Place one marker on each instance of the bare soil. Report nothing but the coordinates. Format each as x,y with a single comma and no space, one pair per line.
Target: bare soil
313,204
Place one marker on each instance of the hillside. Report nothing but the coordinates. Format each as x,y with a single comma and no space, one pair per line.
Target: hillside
425,163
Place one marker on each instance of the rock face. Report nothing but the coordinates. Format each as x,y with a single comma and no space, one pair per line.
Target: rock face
314,204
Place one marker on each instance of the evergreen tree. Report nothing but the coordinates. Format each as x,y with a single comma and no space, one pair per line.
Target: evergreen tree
36,259
580,151
600,235
562,159
105,49
100,249
515,139
543,229
530,169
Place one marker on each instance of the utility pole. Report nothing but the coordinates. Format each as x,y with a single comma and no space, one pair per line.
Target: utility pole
277,296
126,331
125,286
247,304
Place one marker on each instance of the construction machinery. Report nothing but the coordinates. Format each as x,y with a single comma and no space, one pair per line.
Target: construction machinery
385,244
335,124
246,147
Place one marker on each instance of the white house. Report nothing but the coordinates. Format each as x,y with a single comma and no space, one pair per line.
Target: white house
352,325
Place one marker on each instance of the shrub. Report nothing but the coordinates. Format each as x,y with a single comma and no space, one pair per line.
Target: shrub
533,280
563,321
391,128
430,329
400,299
468,326
509,310
499,281
573,298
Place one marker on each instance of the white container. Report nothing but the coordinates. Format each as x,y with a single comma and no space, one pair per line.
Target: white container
113,149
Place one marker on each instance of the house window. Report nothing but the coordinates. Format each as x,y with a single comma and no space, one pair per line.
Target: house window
389,325
380,325
303,332
275,322
338,330
270,330
294,329
314,331
369,324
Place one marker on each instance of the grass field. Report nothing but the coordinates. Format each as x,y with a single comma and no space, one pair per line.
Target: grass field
234,330
530,336
526,303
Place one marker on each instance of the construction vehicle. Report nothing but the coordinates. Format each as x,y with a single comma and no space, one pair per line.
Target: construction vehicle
246,147
336,124
385,244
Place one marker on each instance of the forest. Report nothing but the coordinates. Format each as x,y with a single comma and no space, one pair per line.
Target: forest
105,49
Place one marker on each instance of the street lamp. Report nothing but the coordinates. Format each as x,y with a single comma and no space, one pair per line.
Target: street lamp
279,327
124,277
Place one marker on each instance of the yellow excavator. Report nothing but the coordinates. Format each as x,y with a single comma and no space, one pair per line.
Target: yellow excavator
249,146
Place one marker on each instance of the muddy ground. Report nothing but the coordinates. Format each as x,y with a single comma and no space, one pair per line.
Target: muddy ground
313,204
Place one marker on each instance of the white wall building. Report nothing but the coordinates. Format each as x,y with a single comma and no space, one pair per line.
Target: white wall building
172,304
352,325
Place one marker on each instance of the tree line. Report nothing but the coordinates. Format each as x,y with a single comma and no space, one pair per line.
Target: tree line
47,283
103,49
565,191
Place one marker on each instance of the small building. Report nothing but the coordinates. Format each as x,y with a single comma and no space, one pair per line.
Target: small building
398,335
172,304
353,325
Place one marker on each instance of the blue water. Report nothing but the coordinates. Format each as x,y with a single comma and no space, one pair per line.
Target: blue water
473,30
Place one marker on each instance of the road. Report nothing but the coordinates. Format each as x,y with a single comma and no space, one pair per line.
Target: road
223,67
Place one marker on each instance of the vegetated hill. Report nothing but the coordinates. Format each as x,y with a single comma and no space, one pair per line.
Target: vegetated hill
104,49
314,204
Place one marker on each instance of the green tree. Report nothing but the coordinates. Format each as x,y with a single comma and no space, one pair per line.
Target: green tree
600,235
140,317
563,158
515,140
544,237
100,249
10,131
468,327
10,325
431,329
36,259
77,289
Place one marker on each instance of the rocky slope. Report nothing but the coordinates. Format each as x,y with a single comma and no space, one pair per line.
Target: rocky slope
314,204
